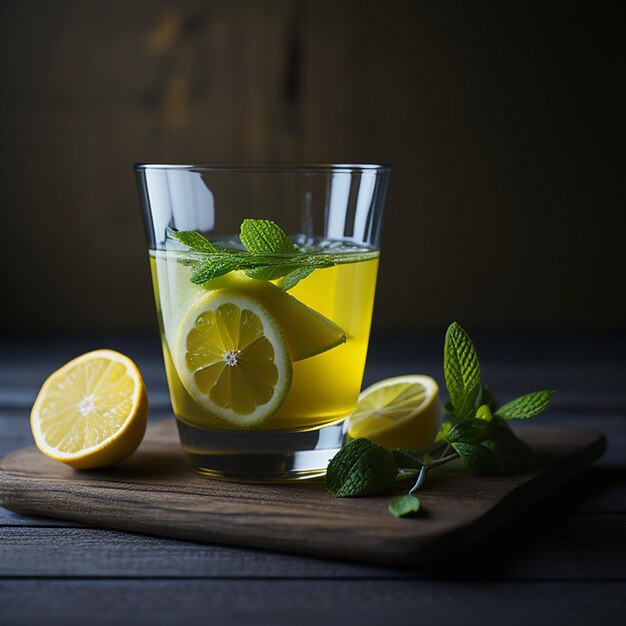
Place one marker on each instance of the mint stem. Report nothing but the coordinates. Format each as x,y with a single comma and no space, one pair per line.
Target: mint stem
421,477
442,460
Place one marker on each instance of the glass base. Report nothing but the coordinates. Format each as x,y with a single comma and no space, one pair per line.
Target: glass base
261,456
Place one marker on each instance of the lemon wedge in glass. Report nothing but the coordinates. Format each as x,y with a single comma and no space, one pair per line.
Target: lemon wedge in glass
232,358
92,412
307,332
401,412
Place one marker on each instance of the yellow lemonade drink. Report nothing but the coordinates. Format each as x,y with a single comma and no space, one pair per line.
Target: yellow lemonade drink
264,280
324,321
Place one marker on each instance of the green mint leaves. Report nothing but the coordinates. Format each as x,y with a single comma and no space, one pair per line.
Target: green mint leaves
480,458
404,506
270,255
461,370
265,237
475,432
361,468
525,406
195,241
292,279
217,267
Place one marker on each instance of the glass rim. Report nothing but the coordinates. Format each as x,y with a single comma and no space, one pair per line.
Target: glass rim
344,168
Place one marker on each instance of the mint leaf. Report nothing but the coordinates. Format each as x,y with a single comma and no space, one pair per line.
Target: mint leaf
270,272
404,506
445,428
360,468
469,431
194,240
479,459
213,268
526,406
499,451
270,255
461,371
265,237
292,279
484,413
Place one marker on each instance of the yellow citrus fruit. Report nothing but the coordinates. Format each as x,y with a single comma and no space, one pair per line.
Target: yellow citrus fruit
92,412
232,358
307,332
401,412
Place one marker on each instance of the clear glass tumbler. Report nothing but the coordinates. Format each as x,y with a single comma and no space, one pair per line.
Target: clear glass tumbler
264,335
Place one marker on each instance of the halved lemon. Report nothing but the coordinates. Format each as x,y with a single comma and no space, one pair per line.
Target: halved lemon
232,358
92,412
400,412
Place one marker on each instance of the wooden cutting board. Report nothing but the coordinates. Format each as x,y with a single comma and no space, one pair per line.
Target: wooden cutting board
153,492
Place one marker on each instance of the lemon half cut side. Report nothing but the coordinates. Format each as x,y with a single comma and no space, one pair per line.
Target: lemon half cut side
400,412
232,358
92,412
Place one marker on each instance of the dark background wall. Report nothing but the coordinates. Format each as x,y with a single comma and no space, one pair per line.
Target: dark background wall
504,121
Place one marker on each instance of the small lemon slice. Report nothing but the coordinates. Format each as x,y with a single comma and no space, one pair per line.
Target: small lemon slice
232,358
92,412
401,412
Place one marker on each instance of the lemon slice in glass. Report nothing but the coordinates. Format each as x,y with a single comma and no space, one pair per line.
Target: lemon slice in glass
401,412
232,358
92,412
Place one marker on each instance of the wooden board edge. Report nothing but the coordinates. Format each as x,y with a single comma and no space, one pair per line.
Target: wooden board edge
13,486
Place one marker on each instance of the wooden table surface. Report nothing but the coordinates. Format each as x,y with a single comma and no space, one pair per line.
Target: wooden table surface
563,562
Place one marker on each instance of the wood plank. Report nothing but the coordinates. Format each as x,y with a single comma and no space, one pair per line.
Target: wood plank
602,488
613,426
555,547
51,552
309,603
153,492
12,519
598,490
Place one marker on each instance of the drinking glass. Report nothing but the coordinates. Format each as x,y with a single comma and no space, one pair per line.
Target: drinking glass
265,358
